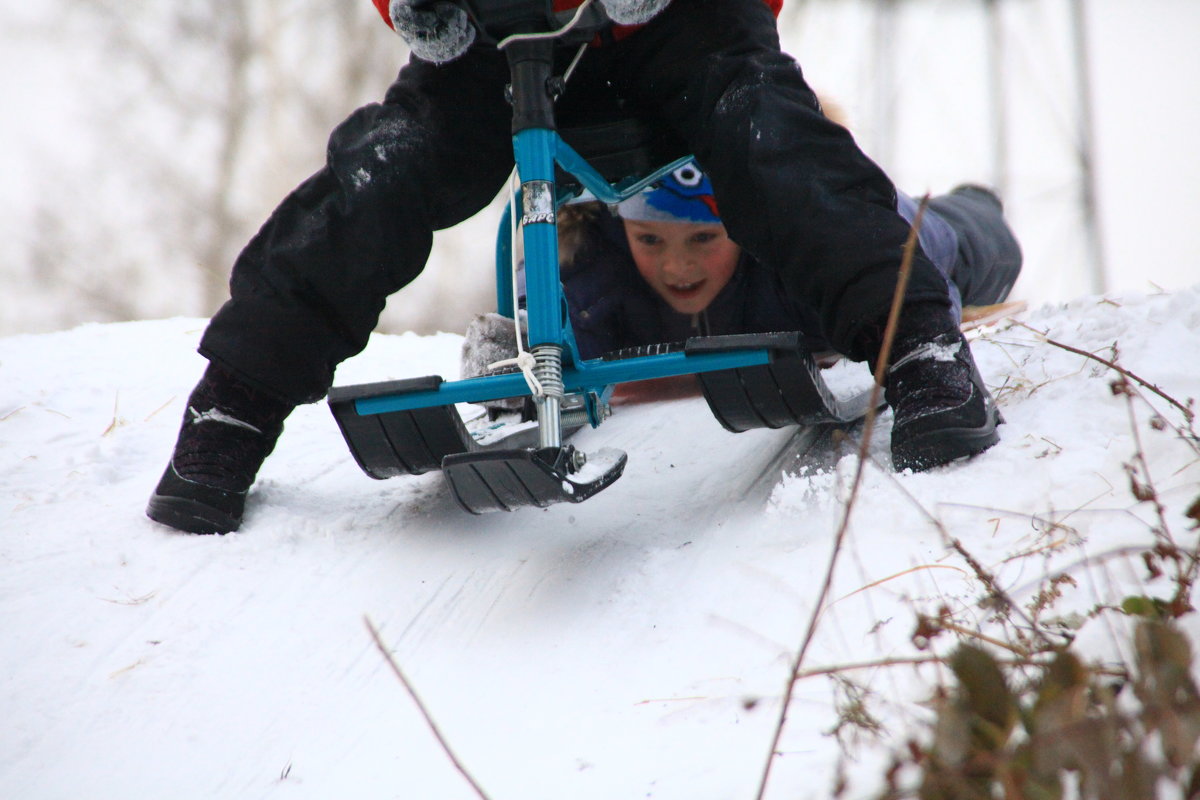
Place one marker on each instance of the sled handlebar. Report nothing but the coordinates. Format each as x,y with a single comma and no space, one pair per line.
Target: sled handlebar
496,21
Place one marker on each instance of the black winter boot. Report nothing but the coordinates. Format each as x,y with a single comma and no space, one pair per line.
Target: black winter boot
941,409
228,430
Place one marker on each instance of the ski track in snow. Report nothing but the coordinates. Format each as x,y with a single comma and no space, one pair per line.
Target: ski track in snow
634,645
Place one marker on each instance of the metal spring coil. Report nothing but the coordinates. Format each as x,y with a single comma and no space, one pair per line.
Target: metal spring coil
548,369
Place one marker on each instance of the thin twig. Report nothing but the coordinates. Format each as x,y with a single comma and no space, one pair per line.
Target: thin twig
421,707
961,631
897,661
1188,414
116,420
1186,565
889,336
900,574
1088,560
151,415
1054,544
919,661
1144,489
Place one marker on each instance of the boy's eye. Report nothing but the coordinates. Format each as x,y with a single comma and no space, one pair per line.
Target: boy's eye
647,239
704,237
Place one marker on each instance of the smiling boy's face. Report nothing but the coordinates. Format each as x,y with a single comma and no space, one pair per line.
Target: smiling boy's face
686,263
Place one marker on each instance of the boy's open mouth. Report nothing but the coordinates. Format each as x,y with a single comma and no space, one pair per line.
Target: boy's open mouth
685,289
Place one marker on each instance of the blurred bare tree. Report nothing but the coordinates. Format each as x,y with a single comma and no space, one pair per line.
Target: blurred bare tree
204,115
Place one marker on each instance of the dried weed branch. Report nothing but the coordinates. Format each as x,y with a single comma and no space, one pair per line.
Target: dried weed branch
1189,415
921,661
437,734
1143,489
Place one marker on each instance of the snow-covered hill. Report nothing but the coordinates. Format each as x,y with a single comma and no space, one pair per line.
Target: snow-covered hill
636,645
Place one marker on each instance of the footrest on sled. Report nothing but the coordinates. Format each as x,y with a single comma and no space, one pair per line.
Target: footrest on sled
507,479
787,391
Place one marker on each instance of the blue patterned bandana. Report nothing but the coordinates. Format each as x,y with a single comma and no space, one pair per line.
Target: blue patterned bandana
684,195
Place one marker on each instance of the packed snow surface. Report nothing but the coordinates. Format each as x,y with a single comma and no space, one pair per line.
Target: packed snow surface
636,645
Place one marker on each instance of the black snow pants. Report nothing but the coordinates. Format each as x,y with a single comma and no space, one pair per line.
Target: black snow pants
794,190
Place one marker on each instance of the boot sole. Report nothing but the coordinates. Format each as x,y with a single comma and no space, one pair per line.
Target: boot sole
190,516
940,447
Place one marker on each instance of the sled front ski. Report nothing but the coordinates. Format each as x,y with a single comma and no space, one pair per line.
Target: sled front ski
504,480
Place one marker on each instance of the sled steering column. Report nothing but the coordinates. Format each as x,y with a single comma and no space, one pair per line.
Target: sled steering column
552,472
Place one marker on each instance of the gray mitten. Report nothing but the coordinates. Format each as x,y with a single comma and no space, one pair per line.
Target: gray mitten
633,12
438,32
491,338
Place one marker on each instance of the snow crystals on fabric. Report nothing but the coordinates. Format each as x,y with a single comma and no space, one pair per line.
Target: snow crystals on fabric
633,12
737,98
930,350
217,415
392,135
439,33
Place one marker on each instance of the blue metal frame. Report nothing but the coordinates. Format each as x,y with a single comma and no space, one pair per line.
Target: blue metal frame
588,376
592,181
536,151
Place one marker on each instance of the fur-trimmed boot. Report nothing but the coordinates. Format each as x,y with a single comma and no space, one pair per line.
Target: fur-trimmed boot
228,430
941,409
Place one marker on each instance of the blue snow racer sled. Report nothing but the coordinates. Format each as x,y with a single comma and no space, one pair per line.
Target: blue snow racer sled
413,426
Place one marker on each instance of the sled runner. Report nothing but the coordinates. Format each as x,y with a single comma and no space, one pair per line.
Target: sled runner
413,426
979,316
